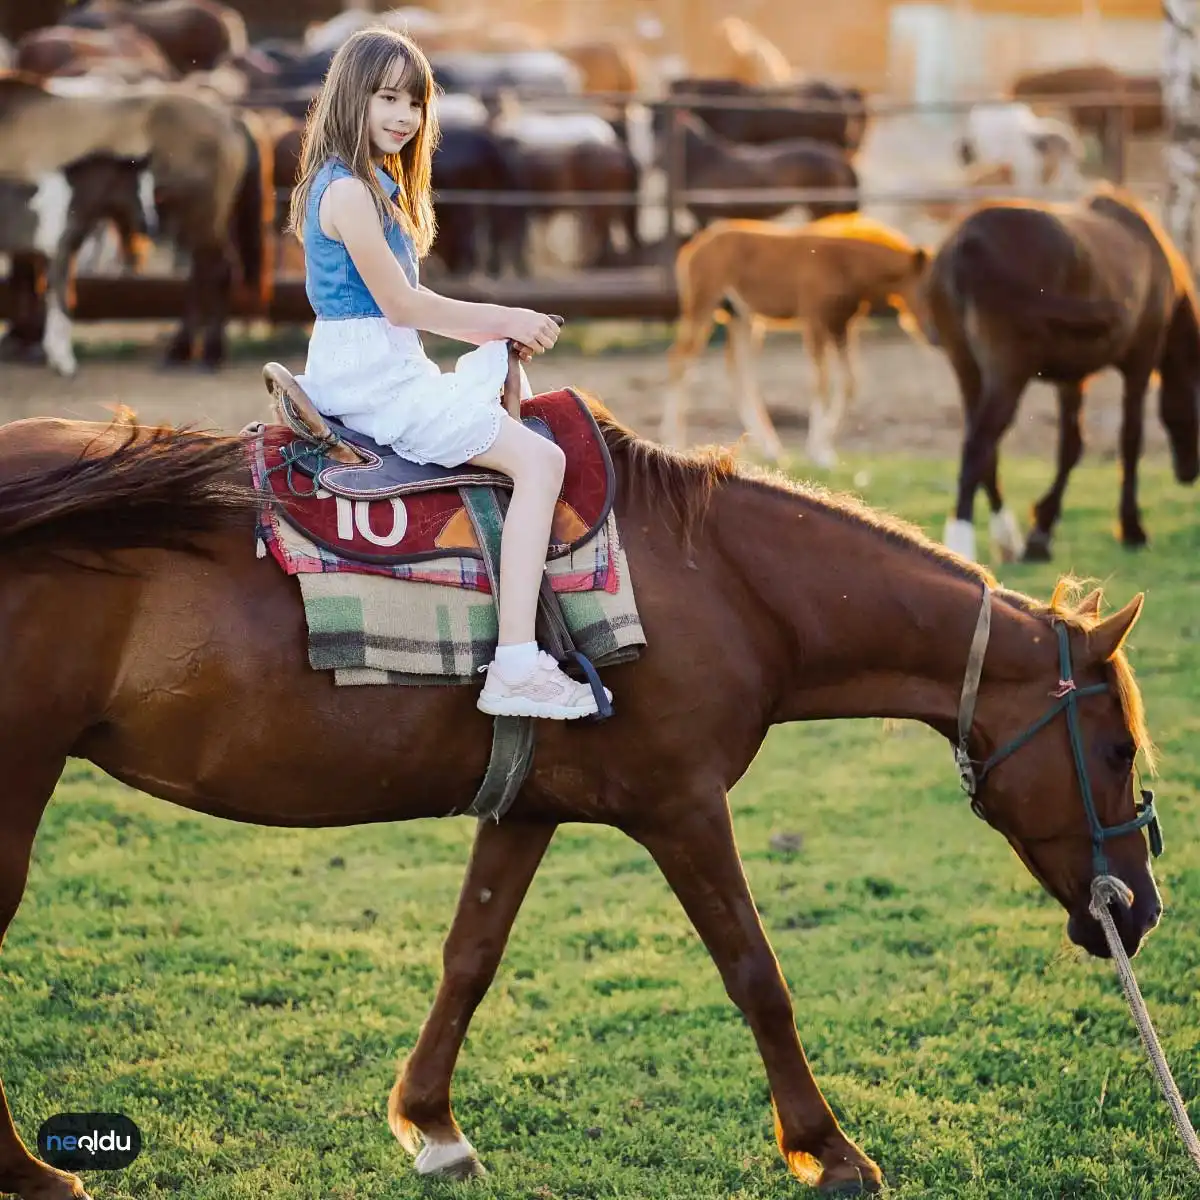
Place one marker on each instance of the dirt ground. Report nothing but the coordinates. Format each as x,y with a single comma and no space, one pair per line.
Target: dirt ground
908,400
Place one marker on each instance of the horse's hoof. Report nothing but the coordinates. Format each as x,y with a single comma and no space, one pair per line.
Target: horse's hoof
450,1160
1037,547
1137,540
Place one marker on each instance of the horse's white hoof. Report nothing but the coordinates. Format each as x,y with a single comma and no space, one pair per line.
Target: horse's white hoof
960,537
450,1160
1006,535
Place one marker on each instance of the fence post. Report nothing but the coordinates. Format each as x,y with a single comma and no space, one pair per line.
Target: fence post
676,180
1181,105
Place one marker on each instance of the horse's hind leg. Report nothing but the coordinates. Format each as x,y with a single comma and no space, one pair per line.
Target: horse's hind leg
1070,450
755,418
691,336
218,278
989,407
503,862
822,417
26,791
700,860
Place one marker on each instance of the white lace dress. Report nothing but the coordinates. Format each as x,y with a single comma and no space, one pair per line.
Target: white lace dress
376,378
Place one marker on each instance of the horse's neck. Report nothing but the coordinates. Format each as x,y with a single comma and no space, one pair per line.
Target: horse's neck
866,623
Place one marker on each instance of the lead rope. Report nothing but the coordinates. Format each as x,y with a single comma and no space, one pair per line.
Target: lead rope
1105,890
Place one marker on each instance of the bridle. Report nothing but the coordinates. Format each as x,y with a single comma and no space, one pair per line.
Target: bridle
1067,697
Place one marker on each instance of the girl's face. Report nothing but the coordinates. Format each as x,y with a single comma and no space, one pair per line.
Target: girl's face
393,116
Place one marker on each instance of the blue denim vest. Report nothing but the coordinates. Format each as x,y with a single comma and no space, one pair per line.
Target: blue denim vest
332,283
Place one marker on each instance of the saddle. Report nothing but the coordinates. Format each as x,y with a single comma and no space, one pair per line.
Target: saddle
390,510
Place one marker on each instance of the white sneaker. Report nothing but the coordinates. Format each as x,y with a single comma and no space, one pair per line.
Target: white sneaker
546,692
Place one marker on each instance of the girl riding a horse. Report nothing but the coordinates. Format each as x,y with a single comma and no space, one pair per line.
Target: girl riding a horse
363,210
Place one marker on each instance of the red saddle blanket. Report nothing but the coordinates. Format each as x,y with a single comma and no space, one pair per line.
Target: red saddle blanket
434,523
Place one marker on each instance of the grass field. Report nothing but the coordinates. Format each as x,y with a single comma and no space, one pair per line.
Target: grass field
244,993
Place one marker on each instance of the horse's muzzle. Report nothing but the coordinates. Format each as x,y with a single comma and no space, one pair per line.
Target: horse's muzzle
1133,924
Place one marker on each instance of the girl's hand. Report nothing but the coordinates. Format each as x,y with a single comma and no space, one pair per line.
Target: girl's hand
534,331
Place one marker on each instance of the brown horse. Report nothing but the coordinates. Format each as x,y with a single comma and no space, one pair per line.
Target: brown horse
212,178
43,228
1059,292
194,34
819,278
1089,90
712,163
181,670
118,53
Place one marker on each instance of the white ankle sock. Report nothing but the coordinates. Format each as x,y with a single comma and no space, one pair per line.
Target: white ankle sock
517,661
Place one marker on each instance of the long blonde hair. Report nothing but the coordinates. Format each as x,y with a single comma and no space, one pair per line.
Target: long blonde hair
337,128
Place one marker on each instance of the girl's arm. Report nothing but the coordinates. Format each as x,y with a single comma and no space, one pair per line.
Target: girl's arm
476,338
350,212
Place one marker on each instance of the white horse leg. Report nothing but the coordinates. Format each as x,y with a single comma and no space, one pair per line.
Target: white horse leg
51,205
819,446
755,418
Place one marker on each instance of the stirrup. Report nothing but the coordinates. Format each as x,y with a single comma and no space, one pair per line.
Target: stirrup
299,414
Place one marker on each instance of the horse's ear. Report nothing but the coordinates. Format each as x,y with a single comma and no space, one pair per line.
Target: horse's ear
920,259
1089,606
1106,639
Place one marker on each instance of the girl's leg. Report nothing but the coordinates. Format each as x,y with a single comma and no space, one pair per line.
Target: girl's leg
521,682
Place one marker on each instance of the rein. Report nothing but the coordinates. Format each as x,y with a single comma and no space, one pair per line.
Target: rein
1106,888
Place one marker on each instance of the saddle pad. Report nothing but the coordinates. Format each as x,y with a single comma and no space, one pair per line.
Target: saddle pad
370,630
434,523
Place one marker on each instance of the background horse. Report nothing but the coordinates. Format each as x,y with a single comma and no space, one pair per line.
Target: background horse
43,227
712,162
184,673
820,279
1022,291
193,34
213,184
812,108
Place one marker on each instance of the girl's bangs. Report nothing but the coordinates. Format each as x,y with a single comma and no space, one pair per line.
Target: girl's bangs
415,77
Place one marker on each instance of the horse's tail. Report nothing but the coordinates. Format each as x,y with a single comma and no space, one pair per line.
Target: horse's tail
132,487
254,214
987,280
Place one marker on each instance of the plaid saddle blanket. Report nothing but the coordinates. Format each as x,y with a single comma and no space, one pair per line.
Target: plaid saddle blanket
433,620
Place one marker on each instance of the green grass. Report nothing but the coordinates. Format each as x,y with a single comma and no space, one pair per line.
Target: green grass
244,993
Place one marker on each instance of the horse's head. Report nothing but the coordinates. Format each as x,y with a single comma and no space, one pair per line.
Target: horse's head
1051,764
910,297
1179,391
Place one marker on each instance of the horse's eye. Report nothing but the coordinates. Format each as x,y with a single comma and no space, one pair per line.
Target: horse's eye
1121,754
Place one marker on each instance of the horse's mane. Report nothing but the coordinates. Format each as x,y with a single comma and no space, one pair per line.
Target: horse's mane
861,229
685,483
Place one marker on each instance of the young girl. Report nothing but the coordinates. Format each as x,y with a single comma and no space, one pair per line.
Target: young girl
363,210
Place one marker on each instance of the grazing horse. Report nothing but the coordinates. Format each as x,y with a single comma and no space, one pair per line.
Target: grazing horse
212,182
812,109
1059,292
194,34
710,163
180,669
43,227
819,278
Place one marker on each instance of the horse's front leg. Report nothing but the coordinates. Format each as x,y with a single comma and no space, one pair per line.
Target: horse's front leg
1070,449
503,862
700,860
1133,407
